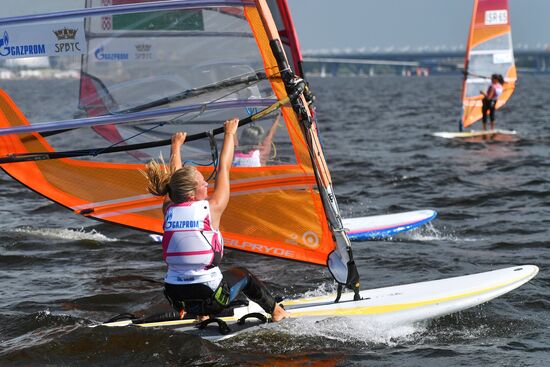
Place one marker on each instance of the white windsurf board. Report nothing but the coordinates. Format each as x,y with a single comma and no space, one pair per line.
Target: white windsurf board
403,304
473,133
382,226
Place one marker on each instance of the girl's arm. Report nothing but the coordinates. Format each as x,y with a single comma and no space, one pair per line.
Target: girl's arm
175,150
220,197
175,158
265,148
236,139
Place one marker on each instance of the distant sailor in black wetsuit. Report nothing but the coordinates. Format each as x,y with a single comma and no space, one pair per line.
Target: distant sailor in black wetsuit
490,100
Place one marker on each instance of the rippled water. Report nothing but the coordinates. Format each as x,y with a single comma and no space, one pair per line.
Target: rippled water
61,273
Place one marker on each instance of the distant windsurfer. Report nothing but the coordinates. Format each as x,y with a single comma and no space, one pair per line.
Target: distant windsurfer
192,244
490,98
252,149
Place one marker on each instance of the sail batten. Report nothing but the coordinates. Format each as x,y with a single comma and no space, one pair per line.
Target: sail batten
120,118
489,51
124,7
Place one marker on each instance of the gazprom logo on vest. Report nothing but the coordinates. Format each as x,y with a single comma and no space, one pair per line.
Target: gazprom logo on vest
168,217
20,50
183,224
110,56
180,224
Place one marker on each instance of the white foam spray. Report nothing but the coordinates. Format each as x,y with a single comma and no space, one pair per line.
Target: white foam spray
66,234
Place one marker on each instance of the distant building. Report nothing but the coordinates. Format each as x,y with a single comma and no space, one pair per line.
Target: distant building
28,63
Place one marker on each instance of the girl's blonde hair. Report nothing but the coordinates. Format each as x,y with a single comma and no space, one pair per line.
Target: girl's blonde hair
180,185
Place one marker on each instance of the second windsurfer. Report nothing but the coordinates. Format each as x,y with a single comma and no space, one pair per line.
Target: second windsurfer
490,99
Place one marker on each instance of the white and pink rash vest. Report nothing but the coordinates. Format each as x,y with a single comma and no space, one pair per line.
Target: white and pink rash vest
498,90
191,248
248,159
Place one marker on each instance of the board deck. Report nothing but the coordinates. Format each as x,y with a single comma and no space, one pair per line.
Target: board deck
473,133
377,226
382,226
394,305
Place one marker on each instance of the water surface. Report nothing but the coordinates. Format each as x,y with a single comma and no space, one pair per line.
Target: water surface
61,273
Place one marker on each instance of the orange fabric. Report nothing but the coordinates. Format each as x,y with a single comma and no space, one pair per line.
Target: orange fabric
472,106
273,210
480,32
483,34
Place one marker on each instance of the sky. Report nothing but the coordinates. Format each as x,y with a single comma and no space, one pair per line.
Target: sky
355,24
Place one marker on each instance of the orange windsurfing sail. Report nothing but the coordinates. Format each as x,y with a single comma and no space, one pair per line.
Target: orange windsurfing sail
489,51
138,71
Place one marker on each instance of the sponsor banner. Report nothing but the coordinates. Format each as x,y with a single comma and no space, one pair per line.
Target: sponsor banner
259,248
149,21
123,49
40,40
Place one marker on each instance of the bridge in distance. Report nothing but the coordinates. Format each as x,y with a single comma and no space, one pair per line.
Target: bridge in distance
423,63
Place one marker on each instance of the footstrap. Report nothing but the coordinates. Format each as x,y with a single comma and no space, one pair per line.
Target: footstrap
122,316
256,315
222,325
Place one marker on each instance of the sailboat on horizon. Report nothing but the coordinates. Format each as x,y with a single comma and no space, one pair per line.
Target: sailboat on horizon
489,51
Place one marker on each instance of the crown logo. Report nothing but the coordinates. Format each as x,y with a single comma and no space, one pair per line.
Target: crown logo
142,47
65,33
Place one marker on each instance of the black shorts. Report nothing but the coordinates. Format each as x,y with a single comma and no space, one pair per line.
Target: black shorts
199,299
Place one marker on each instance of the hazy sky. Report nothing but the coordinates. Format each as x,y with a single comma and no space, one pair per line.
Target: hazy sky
329,24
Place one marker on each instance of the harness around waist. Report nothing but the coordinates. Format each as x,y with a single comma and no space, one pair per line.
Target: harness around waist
212,302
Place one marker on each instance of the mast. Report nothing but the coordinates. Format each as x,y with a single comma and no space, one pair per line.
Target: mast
466,64
288,35
340,262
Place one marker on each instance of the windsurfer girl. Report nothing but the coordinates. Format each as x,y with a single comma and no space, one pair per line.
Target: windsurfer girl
192,244
252,149
490,100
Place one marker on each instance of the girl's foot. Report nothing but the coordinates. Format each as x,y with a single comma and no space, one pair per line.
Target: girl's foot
279,313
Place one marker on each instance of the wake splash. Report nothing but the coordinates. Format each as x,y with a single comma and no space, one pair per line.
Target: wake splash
354,331
66,234
323,289
429,232
308,333
334,334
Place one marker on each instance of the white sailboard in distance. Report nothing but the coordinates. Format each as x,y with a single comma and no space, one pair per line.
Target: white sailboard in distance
473,133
